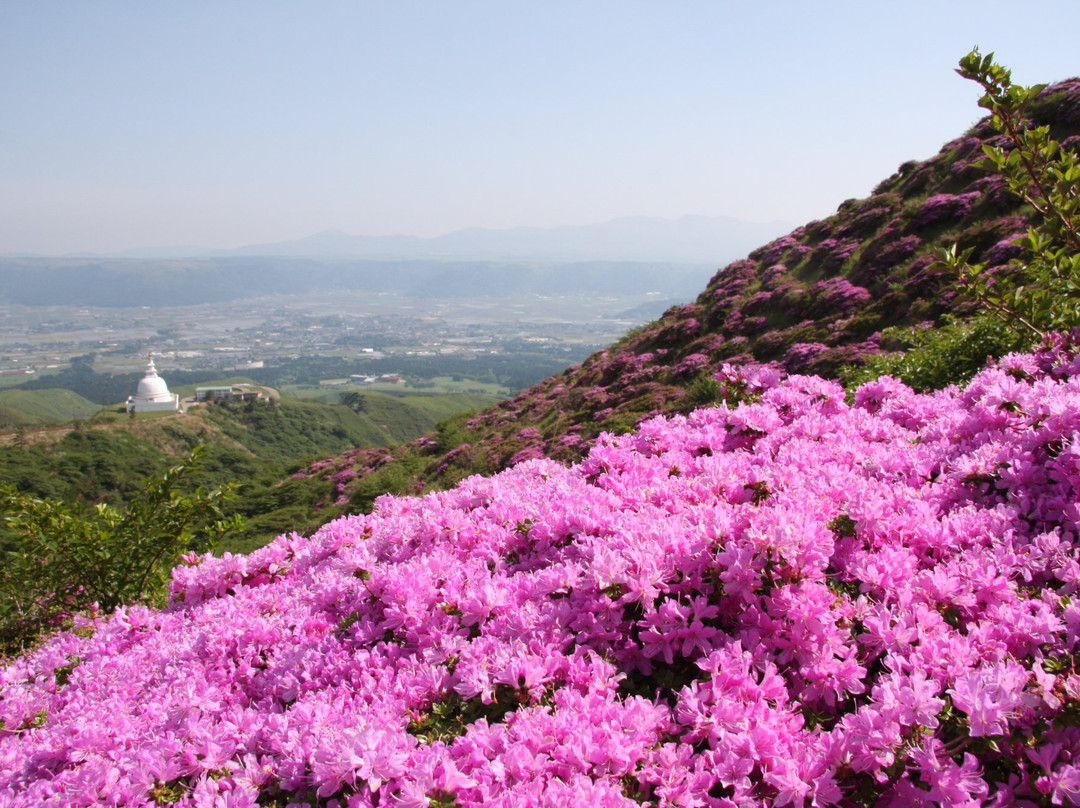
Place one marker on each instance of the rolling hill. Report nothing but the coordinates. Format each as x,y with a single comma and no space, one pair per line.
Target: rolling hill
255,446
27,407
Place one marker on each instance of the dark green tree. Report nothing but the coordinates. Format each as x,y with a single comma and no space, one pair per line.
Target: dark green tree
355,401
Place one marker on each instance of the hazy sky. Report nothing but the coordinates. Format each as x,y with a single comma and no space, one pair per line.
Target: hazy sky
130,124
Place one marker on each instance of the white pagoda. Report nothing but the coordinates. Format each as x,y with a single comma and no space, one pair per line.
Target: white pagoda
153,394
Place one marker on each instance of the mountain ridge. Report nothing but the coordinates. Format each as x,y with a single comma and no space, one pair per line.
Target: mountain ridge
122,282
640,238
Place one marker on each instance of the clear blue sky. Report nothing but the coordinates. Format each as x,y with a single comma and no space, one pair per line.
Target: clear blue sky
130,124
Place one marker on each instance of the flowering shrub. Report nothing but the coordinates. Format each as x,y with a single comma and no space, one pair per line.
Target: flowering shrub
995,192
1004,251
343,478
691,366
802,354
831,253
759,302
836,296
774,250
797,253
794,601
869,218
773,275
882,255
1058,104
943,206
528,453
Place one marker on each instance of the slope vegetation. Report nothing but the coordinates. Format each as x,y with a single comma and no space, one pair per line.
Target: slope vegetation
254,445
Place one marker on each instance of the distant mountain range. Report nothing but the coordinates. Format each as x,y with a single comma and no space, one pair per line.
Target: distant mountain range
711,239
129,281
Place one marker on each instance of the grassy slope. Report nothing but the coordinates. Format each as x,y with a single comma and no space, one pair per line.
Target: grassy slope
42,406
405,417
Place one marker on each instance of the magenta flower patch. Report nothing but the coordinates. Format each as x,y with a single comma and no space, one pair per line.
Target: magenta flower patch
794,601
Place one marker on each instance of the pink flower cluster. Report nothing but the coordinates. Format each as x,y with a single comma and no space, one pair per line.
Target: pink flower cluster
944,206
793,602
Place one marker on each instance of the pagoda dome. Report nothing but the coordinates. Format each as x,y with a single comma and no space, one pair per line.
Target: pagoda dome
152,392
152,387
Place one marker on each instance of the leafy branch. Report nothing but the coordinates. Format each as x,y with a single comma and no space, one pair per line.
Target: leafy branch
1041,294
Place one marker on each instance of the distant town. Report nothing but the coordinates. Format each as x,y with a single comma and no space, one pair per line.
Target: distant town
251,334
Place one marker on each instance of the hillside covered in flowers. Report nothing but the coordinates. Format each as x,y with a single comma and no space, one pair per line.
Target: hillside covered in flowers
795,600
813,301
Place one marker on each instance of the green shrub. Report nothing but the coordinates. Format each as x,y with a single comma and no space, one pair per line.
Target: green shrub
59,560
704,390
936,357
